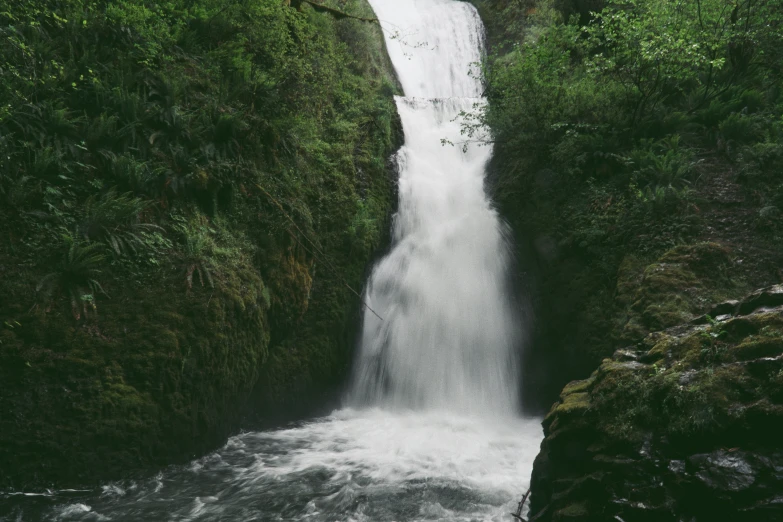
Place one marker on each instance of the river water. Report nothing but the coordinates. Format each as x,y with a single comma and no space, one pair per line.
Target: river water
430,429
369,465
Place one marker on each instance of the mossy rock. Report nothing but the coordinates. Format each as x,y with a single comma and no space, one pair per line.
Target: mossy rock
153,378
683,283
578,386
694,393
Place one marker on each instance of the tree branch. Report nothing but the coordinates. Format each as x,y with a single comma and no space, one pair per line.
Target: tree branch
336,13
520,507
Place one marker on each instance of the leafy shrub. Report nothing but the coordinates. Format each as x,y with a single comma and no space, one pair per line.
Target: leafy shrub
662,165
764,158
119,119
661,198
752,101
198,251
740,128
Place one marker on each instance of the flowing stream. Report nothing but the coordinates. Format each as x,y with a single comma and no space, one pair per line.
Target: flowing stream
431,429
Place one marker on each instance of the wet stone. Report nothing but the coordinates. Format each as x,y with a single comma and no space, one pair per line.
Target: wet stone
687,377
769,297
724,471
767,510
632,365
677,466
625,356
725,308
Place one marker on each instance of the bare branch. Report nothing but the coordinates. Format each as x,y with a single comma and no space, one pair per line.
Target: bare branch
336,13
520,507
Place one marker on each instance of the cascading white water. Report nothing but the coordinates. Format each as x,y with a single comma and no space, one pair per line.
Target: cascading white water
442,356
448,333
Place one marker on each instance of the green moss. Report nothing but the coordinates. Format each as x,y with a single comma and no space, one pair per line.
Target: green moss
572,511
578,386
684,282
662,345
685,349
753,348
764,323
573,403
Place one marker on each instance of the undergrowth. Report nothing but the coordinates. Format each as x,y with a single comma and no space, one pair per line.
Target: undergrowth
165,168
136,125
621,129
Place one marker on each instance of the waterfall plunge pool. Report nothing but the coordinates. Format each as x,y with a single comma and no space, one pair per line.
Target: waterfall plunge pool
354,465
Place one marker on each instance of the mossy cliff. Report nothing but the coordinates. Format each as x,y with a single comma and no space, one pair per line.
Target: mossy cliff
638,159
191,192
683,425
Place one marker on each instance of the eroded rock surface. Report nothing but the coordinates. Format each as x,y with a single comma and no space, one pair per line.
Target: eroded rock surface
683,426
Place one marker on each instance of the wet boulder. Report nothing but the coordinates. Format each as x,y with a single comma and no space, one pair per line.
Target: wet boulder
682,426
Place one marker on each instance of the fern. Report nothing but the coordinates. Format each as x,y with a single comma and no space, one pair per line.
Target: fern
663,165
113,219
198,249
75,277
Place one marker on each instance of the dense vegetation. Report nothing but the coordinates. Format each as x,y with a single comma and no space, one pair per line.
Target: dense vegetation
639,157
639,154
189,189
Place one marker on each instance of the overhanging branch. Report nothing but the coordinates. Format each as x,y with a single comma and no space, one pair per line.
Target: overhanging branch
336,13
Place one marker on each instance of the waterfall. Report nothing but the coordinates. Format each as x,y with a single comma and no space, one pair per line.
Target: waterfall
448,332
440,440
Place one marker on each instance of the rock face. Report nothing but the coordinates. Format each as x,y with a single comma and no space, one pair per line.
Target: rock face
682,426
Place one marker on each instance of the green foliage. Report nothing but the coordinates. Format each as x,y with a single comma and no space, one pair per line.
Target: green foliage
120,117
739,128
624,129
630,65
183,144
663,172
113,219
657,50
636,71
662,163
197,259
209,247
75,276
714,349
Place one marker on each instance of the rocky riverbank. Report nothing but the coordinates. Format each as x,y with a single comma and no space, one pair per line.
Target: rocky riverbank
683,425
